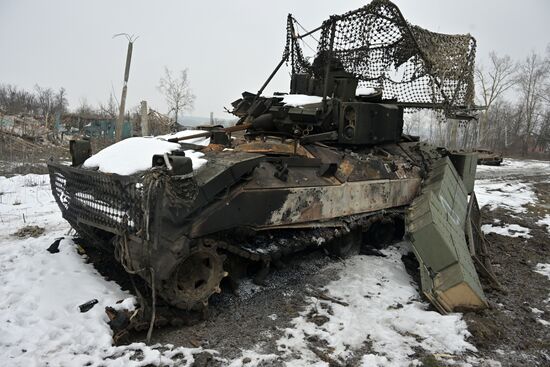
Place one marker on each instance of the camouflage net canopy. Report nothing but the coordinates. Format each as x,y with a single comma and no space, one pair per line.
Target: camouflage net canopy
408,63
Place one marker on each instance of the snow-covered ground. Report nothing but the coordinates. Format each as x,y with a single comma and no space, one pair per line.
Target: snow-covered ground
383,324
382,307
514,167
41,291
39,315
501,188
510,230
510,195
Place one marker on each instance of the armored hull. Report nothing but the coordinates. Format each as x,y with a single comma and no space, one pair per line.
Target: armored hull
157,220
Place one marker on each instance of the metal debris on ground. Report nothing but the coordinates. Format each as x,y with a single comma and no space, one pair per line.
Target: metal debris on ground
29,231
85,307
54,247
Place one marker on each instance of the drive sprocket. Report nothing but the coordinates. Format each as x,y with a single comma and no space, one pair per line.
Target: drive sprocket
196,278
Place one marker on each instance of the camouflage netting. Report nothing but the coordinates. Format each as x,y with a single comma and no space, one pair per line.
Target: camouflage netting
408,63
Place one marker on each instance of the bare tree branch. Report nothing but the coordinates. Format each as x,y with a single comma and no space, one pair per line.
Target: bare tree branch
177,92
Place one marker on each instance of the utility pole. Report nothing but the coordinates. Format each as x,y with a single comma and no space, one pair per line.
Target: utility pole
144,119
120,120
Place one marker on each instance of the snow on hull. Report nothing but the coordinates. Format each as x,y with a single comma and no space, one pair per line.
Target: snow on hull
133,155
299,100
383,309
364,91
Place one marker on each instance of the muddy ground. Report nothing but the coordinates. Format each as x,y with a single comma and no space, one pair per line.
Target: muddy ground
509,332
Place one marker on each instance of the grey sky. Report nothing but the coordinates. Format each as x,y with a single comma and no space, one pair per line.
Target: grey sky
228,46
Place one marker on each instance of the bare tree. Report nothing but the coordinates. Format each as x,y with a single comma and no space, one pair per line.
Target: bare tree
60,101
44,100
15,101
110,109
177,92
533,77
493,84
84,109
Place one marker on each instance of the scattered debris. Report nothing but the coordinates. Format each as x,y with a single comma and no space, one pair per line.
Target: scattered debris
29,231
326,297
85,307
54,247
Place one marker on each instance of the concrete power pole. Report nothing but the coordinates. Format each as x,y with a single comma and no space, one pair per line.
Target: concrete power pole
120,120
144,119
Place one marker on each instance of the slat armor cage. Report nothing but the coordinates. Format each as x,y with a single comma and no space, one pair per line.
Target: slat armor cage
88,198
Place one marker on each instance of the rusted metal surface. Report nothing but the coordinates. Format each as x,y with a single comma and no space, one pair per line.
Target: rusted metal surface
267,147
323,203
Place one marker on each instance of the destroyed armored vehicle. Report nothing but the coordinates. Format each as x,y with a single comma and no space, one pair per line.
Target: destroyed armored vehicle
326,165
488,157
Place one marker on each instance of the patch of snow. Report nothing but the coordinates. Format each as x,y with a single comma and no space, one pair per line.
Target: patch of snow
133,155
543,322
536,311
523,165
544,222
383,310
512,195
299,100
318,240
364,91
374,360
129,304
272,316
253,359
196,158
39,316
543,269
27,200
510,230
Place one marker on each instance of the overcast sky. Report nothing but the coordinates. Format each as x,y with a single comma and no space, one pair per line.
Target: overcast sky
228,46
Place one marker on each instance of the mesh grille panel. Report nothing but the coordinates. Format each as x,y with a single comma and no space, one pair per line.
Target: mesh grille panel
111,202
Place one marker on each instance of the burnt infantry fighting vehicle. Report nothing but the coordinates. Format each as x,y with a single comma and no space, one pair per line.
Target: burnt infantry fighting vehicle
326,165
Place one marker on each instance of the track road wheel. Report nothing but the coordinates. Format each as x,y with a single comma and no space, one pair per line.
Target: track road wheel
195,279
346,245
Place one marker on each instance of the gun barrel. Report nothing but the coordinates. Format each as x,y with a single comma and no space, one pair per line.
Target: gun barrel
209,133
